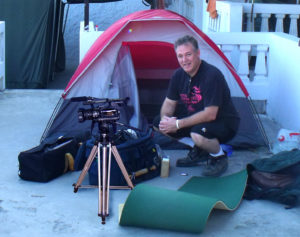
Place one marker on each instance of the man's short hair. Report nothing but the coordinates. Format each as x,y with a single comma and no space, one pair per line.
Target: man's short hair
185,40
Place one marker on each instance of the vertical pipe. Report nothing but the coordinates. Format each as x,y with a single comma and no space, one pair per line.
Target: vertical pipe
86,15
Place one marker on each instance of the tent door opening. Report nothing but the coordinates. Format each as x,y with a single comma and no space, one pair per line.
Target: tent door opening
154,63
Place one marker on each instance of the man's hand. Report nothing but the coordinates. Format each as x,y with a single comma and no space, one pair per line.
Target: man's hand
168,125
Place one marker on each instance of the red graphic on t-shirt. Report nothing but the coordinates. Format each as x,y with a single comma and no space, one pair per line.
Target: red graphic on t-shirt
193,98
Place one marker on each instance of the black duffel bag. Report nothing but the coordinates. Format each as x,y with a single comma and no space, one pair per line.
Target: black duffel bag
139,154
276,178
48,160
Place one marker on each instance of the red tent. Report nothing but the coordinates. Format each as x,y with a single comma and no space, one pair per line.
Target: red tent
134,58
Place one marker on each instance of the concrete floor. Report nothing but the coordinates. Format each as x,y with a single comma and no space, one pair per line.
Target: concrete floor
53,209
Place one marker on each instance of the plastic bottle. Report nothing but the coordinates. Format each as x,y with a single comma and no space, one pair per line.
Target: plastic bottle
287,140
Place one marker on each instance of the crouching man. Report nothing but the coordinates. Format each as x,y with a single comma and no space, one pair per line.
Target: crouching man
210,117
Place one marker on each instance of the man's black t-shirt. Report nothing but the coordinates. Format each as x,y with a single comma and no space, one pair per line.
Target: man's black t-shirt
207,88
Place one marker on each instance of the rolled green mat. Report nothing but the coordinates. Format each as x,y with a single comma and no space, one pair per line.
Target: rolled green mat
186,209
227,190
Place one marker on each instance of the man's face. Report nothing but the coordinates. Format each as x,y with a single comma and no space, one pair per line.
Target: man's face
188,58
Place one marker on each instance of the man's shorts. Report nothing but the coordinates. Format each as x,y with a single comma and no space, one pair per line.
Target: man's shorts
219,129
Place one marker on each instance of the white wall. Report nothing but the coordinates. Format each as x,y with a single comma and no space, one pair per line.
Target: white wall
284,100
87,38
191,9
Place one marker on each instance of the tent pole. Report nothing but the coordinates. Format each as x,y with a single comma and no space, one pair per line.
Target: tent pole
53,115
260,126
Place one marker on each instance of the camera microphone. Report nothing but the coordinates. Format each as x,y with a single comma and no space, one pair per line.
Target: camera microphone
79,99
120,102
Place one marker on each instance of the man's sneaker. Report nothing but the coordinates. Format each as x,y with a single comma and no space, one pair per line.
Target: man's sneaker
216,166
194,156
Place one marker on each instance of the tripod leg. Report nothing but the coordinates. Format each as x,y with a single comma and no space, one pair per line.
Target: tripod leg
104,180
104,193
100,202
86,168
122,167
108,179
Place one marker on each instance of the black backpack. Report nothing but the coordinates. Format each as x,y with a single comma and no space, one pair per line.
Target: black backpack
276,178
140,157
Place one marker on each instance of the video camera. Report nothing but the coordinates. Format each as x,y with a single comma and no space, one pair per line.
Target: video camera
101,109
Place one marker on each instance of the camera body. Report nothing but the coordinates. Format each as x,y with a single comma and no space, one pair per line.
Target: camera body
98,114
101,110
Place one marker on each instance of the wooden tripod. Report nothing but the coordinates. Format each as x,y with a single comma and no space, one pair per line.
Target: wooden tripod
104,176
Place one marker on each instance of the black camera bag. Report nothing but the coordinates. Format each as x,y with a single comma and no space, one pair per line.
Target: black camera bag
46,161
140,158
